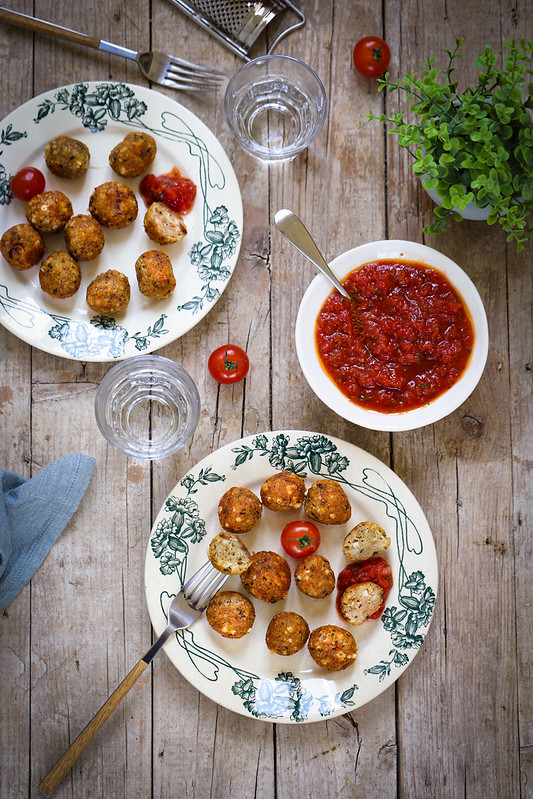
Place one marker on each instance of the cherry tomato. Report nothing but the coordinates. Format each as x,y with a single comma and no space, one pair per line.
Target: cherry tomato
228,364
27,183
374,570
371,56
300,539
172,189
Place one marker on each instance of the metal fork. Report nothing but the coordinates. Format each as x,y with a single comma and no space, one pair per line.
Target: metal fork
185,608
167,70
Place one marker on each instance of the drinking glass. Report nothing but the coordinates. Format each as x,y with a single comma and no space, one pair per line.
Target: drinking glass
275,107
147,407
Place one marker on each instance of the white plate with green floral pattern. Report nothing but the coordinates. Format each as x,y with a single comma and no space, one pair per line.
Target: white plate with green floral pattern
101,114
242,674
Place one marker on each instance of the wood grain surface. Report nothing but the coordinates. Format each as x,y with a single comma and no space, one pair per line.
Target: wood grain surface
459,722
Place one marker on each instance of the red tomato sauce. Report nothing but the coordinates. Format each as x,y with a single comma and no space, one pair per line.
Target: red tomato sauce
172,189
408,340
374,570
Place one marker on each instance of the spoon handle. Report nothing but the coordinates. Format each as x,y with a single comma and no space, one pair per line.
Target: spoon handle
295,231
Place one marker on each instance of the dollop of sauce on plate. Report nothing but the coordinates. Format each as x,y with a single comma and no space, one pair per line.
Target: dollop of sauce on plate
171,188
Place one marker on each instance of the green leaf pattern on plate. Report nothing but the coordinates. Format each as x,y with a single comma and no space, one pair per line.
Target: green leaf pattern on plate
286,696
117,102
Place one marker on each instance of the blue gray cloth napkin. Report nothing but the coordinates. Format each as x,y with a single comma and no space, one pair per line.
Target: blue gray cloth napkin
32,515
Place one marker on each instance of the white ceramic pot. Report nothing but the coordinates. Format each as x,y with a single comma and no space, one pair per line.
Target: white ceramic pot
470,212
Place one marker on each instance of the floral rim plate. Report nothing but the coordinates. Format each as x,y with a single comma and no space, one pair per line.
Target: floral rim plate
242,675
101,114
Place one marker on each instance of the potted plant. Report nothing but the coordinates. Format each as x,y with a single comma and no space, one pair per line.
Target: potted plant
475,146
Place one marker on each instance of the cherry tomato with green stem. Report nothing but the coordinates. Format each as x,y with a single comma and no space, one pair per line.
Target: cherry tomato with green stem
228,364
28,182
371,56
300,539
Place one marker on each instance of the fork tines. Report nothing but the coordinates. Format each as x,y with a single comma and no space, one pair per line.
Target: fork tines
204,583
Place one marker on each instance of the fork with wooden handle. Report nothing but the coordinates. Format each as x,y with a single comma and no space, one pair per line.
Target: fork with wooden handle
185,608
167,70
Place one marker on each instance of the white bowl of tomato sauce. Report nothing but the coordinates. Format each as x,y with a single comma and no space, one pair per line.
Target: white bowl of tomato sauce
407,351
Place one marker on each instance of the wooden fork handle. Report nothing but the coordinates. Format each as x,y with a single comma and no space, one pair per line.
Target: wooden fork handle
54,777
41,26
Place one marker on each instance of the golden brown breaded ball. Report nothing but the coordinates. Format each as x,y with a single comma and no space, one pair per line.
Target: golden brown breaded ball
133,155
314,576
22,246
109,293
114,205
228,553
360,601
283,491
268,577
287,633
239,510
366,540
49,211
60,275
231,614
67,157
326,502
155,275
84,237
331,647
164,225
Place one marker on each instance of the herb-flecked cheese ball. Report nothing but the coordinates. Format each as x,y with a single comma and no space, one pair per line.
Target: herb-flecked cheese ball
283,491
67,157
287,633
239,510
114,205
314,576
268,577
48,211
332,648
22,246
326,502
230,614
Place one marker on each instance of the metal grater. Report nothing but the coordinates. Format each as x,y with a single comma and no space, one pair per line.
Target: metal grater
237,24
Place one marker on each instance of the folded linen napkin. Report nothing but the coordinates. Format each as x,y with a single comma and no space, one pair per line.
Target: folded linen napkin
32,515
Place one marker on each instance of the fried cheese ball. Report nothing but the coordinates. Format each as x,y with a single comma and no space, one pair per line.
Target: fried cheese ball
114,205
155,275
332,648
326,502
67,157
365,541
84,237
287,633
268,577
109,293
22,246
133,155
283,491
163,225
360,601
230,614
239,510
314,576
60,275
228,554
48,211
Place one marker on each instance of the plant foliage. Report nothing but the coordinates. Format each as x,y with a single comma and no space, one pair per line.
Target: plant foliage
476,146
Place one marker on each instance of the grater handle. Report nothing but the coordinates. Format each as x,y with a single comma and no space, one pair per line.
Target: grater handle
291,28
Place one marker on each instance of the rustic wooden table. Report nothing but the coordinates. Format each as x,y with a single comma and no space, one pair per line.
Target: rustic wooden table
459,721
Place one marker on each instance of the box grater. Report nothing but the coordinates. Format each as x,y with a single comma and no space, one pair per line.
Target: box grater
237,24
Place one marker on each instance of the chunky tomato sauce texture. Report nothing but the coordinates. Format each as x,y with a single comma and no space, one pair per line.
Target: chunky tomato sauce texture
374,570
402,342
172,189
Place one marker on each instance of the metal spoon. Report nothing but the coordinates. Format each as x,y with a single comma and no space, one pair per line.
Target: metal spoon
295,231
